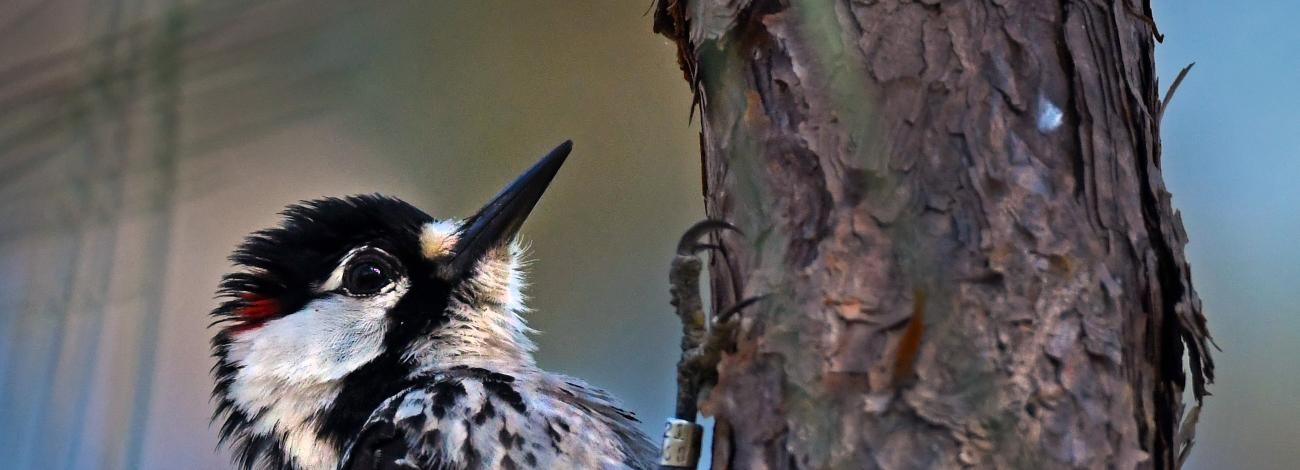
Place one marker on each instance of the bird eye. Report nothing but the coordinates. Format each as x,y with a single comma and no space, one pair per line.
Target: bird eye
366,277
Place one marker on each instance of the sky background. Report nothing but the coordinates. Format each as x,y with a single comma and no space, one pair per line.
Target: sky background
103,299
1232,161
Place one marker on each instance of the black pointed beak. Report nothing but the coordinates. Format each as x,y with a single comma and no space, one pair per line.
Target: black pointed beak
497,222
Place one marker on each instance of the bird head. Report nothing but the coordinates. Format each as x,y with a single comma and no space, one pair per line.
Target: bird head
333,310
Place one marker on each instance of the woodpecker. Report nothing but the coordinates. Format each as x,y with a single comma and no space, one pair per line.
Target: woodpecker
361,333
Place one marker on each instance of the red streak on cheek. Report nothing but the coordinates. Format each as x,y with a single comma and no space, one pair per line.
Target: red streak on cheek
255,311
257,308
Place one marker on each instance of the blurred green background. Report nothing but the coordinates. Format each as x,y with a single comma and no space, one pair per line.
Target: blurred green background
140,140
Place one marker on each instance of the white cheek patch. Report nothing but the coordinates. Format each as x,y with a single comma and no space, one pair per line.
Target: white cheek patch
291,367
438,238
330,337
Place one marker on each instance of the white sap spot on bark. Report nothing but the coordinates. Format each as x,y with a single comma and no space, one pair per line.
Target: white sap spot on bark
1049,116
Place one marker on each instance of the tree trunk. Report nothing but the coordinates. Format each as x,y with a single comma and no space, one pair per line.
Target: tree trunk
958,212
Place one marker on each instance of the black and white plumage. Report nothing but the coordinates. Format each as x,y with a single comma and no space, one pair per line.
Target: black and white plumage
471,417
364,334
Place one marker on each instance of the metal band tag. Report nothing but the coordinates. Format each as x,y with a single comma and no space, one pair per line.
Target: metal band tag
681,444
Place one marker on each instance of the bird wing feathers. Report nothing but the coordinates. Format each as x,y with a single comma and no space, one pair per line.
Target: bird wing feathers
469,418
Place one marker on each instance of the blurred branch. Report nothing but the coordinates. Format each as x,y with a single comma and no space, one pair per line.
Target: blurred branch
235,38
23,16
249,68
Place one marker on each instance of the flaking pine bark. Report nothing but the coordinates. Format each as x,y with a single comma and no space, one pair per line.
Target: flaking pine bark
957,212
